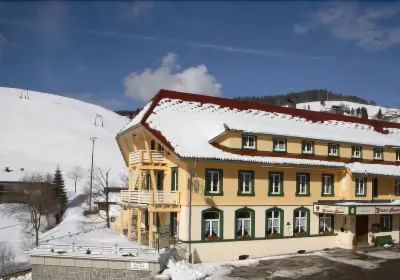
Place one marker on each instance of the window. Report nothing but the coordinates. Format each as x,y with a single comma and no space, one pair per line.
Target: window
356,152
386,223
325,223
307,147
397,187
398,154
160,148
301,222
274,223
303,184
212,224
213,182
327,185
244,222
333,150
249,142
174,179
360,186
374,187
275,184
152,145
378,154
279,145
246,183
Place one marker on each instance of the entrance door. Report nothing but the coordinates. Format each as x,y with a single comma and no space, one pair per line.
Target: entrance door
173,224
362,228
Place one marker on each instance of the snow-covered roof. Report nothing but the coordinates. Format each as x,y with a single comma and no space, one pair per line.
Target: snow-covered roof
378,169
186,122
351,203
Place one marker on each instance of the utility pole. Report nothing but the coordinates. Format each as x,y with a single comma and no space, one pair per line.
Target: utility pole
91,174
190,186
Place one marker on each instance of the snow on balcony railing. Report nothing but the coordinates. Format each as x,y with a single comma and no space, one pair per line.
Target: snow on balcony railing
149,197
142,156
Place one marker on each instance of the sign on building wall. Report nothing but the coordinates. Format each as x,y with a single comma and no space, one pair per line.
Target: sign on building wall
386,210
139,266
365,210
330,209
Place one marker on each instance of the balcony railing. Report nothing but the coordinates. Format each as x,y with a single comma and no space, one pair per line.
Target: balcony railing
149,197
142,156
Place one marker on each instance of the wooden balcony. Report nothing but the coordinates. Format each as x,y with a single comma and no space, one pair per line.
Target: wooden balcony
142,157
150,197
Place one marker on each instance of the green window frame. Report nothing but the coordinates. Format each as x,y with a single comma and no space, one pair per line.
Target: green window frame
302,184
397,154
174,179
327,183
397,187
378,151
386,223
361,182
326,225
272,186
301,222
333,146
246,141
213,180
353,151
375,187
209,220
246,178
307,144
244,216
271,219
275,143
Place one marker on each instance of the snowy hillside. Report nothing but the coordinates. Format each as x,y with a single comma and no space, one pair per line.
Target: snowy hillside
47,130
317,106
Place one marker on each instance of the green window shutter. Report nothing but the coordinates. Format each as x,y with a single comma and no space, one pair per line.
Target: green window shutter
297,183
270,183
207,181
308,183
240,182
221,182
282,180
253,223
243,141
174,179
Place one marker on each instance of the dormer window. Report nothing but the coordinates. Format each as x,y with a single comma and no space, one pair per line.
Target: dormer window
279,145
249,142
378,154
307,147
356,152
333,150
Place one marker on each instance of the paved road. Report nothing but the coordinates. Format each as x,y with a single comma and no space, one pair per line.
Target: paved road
337,264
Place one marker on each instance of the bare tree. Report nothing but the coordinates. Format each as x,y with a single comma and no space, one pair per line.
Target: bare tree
76,174
101,191
41,200
124,180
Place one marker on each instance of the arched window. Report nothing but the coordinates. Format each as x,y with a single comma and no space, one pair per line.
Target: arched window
301,222
244,223
212,224
274,223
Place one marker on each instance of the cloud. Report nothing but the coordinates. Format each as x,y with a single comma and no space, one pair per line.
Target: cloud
144,85
349,21
166,40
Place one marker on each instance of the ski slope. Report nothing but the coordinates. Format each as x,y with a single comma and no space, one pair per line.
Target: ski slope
372,109
47,130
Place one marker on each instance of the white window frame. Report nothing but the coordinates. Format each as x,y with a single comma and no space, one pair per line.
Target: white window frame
301,186
323,217
213,172
247,142
175,174
326,186
387,219
211,227
273,186
277,143
299,221
333,147
357,149
397,187
307,147
245,175
380,153
274,221
241,225
360,185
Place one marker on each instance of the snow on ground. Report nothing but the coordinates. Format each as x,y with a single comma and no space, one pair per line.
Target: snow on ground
384,254
27,276
47,130
364,264
372,110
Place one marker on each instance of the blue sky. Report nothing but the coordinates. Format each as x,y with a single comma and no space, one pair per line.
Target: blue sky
119,54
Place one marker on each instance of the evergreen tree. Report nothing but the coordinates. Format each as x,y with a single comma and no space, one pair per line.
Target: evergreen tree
323,103
358,112
61,194
379,116
364,113
352,112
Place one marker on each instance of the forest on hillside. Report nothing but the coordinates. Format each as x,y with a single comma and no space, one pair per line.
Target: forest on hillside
305,96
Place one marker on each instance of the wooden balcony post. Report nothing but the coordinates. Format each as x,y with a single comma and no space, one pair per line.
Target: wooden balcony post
129,223
178,198
139,226
122,222
151,229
